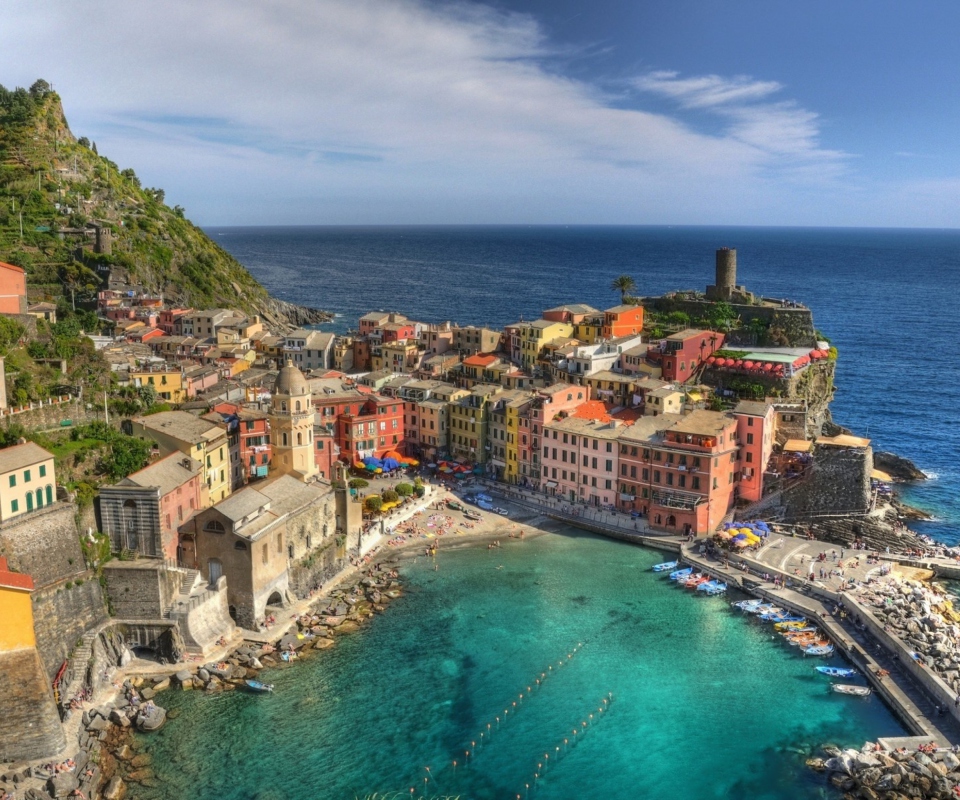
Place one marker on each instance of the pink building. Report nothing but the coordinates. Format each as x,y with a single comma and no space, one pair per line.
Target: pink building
551,404
170,320
580,457
756,423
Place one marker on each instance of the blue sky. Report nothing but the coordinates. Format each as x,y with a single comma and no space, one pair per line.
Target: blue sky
515,111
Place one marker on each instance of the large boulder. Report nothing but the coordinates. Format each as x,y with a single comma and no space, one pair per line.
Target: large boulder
151,717
63,784
116,789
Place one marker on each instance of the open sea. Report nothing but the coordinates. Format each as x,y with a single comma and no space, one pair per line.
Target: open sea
705,703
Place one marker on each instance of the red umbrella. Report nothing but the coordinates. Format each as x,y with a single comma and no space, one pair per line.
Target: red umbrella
711,360
768,367
748,364
738,362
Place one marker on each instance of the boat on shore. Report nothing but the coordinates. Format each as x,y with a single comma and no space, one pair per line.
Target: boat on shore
666,565
837,672
855,691
257,686
818,650
695,580
680,574
747,606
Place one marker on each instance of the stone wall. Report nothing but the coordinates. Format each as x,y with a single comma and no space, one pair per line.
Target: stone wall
62,615
839,483
796,324
141,589
206,618
44,544
321,565
46,417
31,723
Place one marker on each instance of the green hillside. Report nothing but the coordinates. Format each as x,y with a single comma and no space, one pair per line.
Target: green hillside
54,188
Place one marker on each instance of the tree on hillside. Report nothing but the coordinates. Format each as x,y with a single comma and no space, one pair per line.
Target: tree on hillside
623,284
127,455
39,88
721,316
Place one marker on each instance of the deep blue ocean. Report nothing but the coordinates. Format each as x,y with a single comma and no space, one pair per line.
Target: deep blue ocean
886,298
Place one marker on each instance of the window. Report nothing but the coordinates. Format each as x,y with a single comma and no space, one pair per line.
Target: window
669,479
26,476
214,526
593,462
656,476
750,437
14,505
623,469
43,470
749,458
606,484
608,465
633,472
13,480
265,553
682,480
696,482
609,447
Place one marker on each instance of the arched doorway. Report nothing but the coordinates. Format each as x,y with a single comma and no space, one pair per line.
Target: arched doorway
275,599
671,521
130,524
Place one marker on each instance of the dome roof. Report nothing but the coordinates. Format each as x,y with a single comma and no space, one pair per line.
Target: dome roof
290,381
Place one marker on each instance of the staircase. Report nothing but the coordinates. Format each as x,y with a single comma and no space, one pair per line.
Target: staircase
188,582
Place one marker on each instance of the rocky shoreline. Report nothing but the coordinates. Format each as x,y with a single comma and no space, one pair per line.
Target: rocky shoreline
106,738
873,773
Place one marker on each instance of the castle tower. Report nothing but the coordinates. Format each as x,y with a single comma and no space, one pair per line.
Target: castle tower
291,425
726,270
726,287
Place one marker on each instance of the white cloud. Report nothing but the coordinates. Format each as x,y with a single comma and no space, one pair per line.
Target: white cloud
399,111
706,90
782,129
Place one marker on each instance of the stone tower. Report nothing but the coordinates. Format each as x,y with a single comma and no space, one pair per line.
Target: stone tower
291,425
725,287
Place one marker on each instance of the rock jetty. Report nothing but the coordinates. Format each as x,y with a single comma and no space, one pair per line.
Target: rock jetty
921,617
873,773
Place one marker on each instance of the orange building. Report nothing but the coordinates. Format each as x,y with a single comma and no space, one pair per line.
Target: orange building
624,320
13,289
683,478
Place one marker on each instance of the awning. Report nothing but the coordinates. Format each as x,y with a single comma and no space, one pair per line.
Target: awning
797,446
551,484
844,440
880,475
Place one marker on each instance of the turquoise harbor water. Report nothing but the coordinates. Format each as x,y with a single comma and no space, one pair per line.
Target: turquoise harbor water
707,703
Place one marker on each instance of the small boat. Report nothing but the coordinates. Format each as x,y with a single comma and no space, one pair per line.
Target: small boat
765,608
473,515
712,588
790,626
837,672
818,650
856,691
455,505
288,655
780,618
666,565
485,498
794,632
695,580
680,574
256,686
502,511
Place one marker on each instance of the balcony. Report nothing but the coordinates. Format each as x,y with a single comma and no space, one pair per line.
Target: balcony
681,501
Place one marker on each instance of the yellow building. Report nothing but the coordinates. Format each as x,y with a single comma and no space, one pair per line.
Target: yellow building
589,330
167,383
533,336
27,480
178,431
16,610
403,356
469,421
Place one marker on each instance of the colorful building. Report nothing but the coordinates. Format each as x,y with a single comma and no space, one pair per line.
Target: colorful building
178,431
27,480
756,428
469,422
534,335
142,513
166,382
551,404
681,355
687,473
622,320
13,289
580,459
